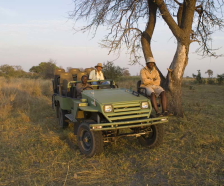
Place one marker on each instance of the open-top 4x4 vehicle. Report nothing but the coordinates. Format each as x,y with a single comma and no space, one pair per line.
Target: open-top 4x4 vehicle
104,113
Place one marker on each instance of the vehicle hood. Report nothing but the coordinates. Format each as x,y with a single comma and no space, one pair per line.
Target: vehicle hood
109,96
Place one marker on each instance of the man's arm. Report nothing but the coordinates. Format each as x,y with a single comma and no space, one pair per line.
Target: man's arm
145,79
88,85
156,80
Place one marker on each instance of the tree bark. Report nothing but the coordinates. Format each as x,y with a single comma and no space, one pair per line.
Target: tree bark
147,34
182,32
174,79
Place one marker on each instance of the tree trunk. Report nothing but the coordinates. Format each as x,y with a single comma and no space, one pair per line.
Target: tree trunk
182,32
174,79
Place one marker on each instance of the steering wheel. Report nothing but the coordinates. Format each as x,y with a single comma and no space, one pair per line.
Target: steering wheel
87,88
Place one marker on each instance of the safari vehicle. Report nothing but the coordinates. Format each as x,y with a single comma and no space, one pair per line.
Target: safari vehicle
105,113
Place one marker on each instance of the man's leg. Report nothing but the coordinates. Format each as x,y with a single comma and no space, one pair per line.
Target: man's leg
150,92
154,102
94,83
106,83
164,101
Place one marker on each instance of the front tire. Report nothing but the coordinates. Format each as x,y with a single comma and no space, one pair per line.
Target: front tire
90,142
153,138
62,119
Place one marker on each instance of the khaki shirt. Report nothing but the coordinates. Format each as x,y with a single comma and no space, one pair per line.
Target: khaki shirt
79,89
147,77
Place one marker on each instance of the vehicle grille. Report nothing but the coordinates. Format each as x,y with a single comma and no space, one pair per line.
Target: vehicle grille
127,111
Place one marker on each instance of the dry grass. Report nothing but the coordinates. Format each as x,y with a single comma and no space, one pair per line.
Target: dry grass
34,151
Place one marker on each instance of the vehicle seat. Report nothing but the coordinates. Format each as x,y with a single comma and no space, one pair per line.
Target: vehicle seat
65,78
56,80
74,72
80,74
88,70
141,90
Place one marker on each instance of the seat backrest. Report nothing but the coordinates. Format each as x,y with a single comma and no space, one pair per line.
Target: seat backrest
56,80
80,74
138,84
65,78
88,70
59,71
74,72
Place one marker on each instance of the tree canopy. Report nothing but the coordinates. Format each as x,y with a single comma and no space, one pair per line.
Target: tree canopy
124,18
12,71
45,69
209,72
189,21
113,72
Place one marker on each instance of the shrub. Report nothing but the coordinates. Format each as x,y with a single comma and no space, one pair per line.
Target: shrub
211,81
220,79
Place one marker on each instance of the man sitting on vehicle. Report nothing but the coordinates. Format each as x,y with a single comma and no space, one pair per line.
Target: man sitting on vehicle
97,74
151,81
82,86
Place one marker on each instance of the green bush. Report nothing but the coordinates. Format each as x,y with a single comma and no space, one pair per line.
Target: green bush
211,81
220,79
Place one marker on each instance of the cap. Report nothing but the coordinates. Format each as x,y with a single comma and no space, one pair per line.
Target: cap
150,60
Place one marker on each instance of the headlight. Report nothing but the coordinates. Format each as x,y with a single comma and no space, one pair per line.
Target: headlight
145,105
97,127
108,108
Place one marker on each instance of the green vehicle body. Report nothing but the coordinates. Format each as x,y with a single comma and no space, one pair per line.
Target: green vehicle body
96,124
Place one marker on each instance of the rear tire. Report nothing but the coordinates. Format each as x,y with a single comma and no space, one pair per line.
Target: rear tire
57,111
153,138
62,119
90,142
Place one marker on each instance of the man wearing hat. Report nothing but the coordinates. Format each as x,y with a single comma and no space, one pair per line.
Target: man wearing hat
150,80
97,74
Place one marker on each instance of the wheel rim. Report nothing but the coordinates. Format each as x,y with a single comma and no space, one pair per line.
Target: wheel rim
86,140
151,134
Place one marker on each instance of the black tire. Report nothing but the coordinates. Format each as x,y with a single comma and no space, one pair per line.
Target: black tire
153,138
62,119
57,111
90,142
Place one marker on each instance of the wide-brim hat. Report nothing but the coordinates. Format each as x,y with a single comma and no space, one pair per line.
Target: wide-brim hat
150,60
99,65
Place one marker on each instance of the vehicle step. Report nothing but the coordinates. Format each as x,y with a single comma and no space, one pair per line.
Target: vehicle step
70,117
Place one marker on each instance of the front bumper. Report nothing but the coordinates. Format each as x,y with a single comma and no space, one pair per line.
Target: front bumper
128,124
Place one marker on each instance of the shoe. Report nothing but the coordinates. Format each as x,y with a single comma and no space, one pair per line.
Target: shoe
167,113
158,114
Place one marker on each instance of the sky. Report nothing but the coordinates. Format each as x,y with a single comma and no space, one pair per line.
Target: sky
32,32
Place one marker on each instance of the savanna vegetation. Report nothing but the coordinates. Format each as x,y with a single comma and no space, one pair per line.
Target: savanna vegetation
46,70
35,151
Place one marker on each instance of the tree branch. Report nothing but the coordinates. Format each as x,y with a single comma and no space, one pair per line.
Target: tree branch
177,2
168,18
